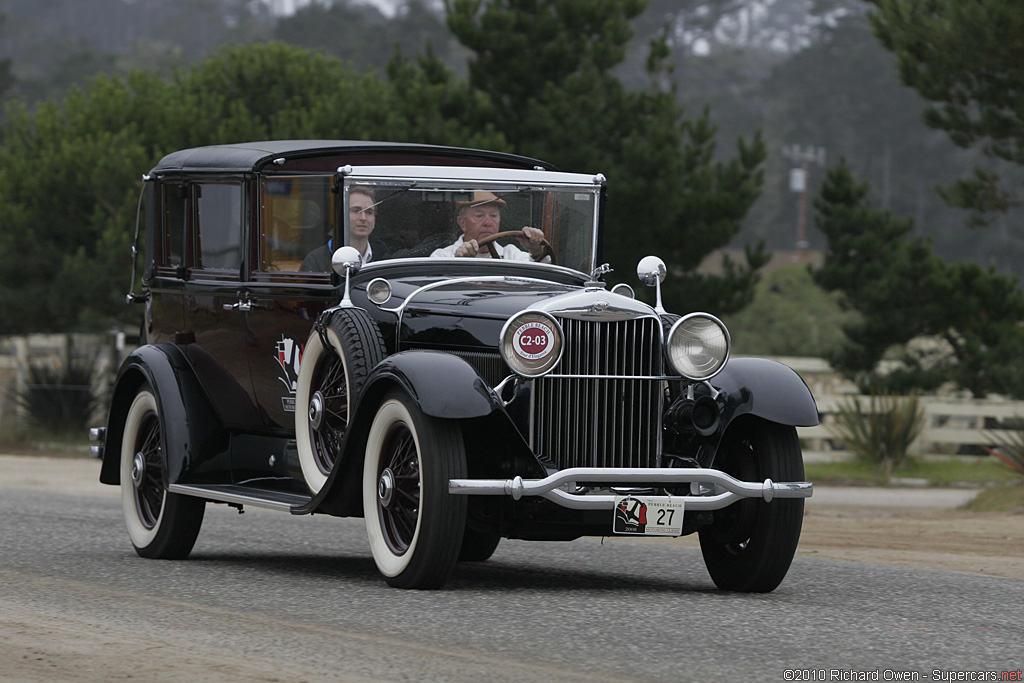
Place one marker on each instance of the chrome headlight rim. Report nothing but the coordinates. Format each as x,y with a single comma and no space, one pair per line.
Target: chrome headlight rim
378,290
622,289
680,327
531,359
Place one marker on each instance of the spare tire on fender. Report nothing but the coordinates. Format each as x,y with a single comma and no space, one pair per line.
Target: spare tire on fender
331,377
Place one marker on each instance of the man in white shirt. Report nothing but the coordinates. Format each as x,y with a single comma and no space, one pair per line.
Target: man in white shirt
481,217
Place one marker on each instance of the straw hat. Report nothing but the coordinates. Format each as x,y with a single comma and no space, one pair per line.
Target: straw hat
481,197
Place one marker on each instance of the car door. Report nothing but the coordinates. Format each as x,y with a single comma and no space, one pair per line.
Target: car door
297,216
214,301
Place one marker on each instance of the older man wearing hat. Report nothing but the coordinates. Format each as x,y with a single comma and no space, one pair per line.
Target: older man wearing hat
481,217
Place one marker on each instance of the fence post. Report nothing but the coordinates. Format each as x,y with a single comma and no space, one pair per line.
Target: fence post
21,377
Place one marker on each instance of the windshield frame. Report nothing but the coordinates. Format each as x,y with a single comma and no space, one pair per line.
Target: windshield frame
498,180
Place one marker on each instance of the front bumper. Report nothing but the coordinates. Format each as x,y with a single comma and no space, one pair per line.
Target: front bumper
556,487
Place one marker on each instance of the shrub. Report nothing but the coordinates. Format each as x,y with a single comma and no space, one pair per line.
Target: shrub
1008,445
881,432
59,398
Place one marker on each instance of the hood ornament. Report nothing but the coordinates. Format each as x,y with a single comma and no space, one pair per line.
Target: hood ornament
597,273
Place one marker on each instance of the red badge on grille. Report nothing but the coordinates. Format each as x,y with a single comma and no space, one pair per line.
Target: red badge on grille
533,341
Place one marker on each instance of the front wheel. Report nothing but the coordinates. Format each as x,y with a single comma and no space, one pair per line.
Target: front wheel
414,525
751,543
161,525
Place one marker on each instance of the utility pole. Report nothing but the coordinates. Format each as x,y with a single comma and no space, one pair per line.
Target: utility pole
798,183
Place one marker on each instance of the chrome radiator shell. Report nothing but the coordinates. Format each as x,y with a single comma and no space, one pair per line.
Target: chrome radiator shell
602,406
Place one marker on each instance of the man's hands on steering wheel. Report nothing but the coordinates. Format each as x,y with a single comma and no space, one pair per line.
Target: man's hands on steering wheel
531,238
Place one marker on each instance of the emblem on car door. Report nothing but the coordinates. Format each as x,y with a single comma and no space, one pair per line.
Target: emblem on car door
289,356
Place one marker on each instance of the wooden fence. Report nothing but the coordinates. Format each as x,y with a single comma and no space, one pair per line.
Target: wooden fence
954,426
18,354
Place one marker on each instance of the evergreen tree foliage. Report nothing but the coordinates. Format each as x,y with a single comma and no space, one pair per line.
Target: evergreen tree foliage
903,291
361,36
69,170
547,66
968,59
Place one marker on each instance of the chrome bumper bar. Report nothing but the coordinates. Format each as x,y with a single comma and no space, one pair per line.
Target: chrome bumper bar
554,487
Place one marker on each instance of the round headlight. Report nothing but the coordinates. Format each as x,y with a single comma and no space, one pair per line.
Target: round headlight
531,343
624,289
698,346
378,291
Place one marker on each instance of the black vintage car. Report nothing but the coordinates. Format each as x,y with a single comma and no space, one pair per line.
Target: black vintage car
419,336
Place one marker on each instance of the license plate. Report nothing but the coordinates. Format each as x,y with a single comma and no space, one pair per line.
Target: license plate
648,516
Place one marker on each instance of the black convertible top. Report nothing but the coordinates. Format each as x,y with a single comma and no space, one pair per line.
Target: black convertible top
328,155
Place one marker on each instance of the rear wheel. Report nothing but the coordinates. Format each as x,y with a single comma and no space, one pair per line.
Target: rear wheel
161,525
330,379
751,543
415,527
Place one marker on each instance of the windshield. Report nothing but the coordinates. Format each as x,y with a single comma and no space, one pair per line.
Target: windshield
429,217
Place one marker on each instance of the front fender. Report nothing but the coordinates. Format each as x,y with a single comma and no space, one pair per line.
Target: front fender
443,385
766,389
191,427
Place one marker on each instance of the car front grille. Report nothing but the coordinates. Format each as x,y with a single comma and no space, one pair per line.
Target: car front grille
608,414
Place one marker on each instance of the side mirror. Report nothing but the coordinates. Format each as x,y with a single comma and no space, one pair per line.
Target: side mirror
346,261
652,271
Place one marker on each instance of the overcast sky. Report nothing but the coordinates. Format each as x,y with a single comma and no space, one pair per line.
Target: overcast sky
289,6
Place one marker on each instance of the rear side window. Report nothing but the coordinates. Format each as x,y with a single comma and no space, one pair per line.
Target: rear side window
299,218
218,226
172,246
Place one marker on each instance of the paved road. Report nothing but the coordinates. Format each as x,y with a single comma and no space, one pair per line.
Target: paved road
266,596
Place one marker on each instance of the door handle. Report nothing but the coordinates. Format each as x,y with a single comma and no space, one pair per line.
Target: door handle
244,306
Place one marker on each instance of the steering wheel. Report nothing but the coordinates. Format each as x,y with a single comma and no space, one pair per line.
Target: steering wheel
548,249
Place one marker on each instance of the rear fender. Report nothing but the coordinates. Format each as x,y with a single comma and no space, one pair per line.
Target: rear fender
192,431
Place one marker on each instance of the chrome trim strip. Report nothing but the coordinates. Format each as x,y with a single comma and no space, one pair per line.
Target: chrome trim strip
400,309
549,487
225,497
483,177
671,378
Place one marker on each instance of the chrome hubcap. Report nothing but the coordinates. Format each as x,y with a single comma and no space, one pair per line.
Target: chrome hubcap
316,410
138,469
386,488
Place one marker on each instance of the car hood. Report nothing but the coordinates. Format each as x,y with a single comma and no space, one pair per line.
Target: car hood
469,312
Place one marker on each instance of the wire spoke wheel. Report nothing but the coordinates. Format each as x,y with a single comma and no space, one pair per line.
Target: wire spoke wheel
413,524
331,377
400,506
160,524
147,467
331,400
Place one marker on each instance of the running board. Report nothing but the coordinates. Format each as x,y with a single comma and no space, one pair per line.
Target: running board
242,495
